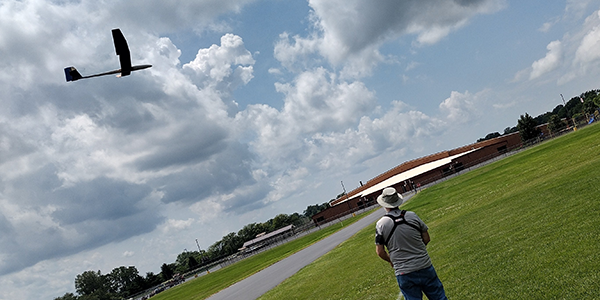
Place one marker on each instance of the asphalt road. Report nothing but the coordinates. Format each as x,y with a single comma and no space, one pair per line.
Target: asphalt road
254,286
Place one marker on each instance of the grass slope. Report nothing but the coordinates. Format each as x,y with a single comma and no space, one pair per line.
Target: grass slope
207,285
526,227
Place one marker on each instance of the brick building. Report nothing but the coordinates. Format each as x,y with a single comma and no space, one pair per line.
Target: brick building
418,172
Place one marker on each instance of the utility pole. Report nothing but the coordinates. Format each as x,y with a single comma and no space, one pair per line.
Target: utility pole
346,194
565,107
199,251
201,256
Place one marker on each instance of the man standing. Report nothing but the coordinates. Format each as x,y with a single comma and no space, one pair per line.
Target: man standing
406,237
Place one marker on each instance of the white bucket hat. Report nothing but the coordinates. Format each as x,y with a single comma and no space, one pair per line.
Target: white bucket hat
389,198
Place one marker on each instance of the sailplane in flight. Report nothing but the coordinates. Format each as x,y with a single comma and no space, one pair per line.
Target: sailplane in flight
124,58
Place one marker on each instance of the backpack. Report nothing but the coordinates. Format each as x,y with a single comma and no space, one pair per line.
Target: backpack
398,221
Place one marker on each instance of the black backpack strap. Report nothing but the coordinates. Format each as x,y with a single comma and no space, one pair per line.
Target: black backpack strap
397,221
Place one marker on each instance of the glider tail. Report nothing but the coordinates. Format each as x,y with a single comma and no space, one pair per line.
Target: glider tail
72,74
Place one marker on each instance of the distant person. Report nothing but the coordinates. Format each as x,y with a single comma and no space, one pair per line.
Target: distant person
406,237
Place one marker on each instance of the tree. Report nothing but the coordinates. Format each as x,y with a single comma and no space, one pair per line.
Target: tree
91,283
250,231
231,244
527,128
192,263
555,124
279,221
67,296
187,260
543,118
124,281
167,271
228,245
573,107
560,111
596,100
509,130
297,219
589,107
151,280
589,95
312,210
489,136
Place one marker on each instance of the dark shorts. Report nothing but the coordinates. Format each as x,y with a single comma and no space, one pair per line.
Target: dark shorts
425,281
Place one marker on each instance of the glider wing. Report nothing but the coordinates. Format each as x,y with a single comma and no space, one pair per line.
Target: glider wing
122,51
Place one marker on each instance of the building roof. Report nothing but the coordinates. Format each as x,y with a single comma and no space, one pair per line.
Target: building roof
268,235
424,168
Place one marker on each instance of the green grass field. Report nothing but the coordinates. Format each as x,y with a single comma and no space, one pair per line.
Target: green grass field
525,227
205,286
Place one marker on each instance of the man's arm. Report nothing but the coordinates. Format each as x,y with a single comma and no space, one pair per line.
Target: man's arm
426,238
380,249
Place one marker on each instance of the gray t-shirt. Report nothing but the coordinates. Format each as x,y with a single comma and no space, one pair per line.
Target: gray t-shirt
407,251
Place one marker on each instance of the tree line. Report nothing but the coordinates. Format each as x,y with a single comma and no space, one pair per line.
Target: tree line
124,282
577,109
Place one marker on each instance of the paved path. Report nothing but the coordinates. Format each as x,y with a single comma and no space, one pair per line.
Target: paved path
254,286
261,282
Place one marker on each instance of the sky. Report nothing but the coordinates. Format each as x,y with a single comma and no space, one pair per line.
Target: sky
251,109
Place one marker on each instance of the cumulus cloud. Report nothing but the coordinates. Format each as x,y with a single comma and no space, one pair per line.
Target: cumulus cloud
391,130
48,219
288,143
222,68
88,163
549,63
463,107
576,8
576,54
350,33
350,29
297,53
27,24
548,25
176,225
171,15
316,101
589,48
69,32
328,124
214,65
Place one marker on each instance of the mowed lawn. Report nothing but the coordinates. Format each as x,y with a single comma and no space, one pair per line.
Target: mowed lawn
209,284
526,227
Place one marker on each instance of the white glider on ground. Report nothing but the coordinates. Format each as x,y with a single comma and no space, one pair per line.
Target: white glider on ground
124,58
